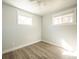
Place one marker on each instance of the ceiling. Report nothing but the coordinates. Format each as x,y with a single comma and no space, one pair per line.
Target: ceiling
47,6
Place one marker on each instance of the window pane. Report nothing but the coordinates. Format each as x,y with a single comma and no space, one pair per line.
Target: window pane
63,19
24,20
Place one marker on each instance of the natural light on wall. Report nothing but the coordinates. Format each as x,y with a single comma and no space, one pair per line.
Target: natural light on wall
70,53
63,19
24,20
66,45
69,50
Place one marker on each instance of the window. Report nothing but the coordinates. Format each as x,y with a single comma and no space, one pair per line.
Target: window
63,19
24,20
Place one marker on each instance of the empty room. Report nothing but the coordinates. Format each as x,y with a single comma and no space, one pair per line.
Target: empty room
39,29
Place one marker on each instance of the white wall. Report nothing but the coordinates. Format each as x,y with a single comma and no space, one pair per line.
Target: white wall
56,33
16,35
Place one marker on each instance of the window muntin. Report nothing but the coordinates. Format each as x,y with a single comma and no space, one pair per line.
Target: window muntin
63,19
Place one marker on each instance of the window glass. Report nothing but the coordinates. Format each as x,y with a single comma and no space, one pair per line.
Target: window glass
63,19
24,20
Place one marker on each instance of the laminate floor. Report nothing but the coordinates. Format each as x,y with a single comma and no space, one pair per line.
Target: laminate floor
40,50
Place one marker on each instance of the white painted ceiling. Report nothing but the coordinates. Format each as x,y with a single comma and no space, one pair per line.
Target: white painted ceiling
46,7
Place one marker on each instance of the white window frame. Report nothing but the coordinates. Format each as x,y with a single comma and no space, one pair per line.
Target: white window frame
24,20
58,20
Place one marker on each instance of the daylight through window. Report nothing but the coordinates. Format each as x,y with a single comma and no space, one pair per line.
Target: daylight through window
63,19
24,20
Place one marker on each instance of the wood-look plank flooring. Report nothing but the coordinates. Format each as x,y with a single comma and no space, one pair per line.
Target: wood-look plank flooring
40,50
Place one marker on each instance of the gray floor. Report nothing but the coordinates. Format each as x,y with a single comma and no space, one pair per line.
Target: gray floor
40,50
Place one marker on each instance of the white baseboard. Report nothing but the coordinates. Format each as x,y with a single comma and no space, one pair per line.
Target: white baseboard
21,46
13,49
57,44
53,43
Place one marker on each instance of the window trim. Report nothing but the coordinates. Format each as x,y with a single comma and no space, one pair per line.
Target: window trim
24,17
63,15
